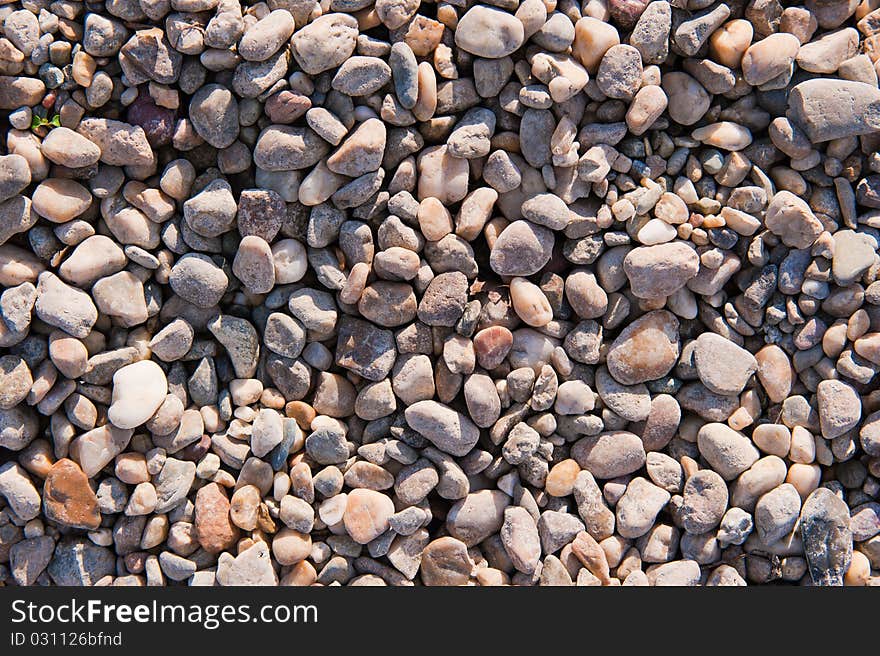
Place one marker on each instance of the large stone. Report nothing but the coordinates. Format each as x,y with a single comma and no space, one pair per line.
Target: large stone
830,108
825,530
68,499
28,558
214,530
840,408
722,366
789,217
288,148
213,111
646,349
365,349
252,567
78,562
729,452
477,516
366,514
522,248
489,32
609,455
138,391
121,144
448,430
65,307
661,270
18,489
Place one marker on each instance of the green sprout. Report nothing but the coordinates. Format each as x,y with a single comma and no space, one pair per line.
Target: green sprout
38,122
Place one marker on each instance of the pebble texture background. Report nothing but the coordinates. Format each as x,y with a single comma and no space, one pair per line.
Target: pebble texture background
390,292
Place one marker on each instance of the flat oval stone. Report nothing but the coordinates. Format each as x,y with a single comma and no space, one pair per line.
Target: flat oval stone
288,148
489,32
65,147
447,429
609,455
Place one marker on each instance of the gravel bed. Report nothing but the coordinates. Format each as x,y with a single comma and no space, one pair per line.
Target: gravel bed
391,292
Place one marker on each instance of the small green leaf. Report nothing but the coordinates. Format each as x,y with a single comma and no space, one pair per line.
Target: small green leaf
36,122
56,121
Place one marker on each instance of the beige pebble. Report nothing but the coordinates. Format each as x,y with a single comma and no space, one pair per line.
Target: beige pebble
434,219
726,135
59,200
592,39
530,303
561,478
729,43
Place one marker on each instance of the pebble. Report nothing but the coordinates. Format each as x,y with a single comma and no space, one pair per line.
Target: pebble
138,391
521,249
722,366
728,452
789,217
687,100
704,502
67,497
661,270
213,111
776,513
121,144
251,567
645,350
15,381
620,72
366,514
78,562
15,175
834,109
447,429
477,516
60,200
489,32
639,506
19,491
214,529
839,407
198,280
769,58
445,562
520,538
325,43
64,307
825,530
609,455
65,147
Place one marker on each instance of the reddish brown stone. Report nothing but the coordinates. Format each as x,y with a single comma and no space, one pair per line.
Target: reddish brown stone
68,499
286,106
214,529
492,345
627,12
